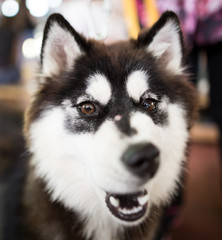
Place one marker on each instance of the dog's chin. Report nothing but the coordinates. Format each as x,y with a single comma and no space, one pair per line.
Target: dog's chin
128,209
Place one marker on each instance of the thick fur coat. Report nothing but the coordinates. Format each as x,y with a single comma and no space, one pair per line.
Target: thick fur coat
107,133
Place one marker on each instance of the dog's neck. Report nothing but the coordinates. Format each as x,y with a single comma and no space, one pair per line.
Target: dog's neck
54,221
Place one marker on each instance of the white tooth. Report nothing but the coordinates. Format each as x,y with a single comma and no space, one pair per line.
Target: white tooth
134,210
143,200
130,211
114,201
137,209
125,211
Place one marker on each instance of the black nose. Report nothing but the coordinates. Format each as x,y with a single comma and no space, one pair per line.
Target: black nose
142,159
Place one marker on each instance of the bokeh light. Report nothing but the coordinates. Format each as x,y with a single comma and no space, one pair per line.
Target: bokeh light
10,8
37,8
31,47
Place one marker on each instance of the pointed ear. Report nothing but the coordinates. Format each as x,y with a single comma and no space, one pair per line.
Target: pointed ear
61,46
165,41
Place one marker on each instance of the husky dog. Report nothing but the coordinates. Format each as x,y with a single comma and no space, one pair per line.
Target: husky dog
107,132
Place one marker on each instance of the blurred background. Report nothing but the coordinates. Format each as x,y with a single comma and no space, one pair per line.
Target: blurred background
21,26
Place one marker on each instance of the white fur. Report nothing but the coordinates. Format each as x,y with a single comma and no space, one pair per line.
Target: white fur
137,84
99,88
171,141
80,168
167,41
60,51
69,179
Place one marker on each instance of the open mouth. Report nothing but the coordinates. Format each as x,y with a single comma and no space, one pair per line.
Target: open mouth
128,207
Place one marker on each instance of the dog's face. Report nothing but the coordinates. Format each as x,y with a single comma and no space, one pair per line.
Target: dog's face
108,127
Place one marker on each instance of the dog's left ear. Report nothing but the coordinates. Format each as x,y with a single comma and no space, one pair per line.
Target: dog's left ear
164,41
61,46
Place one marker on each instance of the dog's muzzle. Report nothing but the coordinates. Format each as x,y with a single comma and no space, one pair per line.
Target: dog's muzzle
142,160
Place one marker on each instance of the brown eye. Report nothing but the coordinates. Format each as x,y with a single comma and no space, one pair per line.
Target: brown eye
149,104
87,108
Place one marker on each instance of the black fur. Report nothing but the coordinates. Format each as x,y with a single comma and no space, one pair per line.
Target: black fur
116,62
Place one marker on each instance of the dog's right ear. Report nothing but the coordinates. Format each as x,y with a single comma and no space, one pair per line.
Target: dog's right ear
61,46
165,41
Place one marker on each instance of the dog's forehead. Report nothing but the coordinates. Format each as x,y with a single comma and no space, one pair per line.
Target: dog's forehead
114,66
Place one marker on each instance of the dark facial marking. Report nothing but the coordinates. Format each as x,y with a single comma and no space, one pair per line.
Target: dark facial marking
124,126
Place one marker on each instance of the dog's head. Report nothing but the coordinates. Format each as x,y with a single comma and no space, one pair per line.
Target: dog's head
108,127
